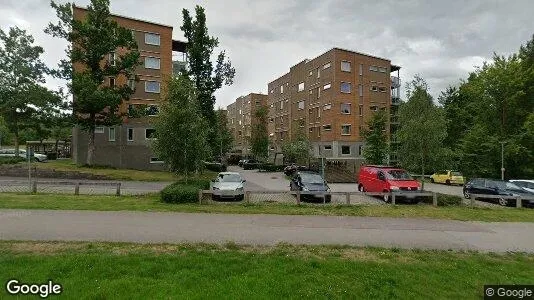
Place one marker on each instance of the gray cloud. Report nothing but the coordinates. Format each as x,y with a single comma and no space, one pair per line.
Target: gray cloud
441,40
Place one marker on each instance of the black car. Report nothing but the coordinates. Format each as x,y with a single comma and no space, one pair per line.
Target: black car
310,182
251,164
494,187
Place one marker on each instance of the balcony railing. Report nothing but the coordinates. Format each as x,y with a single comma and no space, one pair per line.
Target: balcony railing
395,82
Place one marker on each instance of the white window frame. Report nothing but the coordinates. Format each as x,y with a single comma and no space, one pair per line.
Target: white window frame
382,69
360,90
327,86
346,125
282,89
146,138
360,150
346,62
299,106
327,106
99,129
112,58
341,85
301,87
131,84
327,149
148,107
311,73
361,69
373,68
341,149
349,106
111,138
128,134
318,73
147,34
155,160
382,89
371,108
153,57
329,127
327,65
159,87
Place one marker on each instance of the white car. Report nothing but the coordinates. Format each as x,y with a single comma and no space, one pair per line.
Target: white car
228,185
22,153
525,184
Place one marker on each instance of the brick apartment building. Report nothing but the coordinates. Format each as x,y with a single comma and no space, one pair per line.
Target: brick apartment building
127,145
241,119
330,98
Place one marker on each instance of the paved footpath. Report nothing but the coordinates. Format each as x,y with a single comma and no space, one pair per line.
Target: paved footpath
160,227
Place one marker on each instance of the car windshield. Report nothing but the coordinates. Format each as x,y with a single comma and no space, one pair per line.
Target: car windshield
311,178
398,175
456,174
504,185
229,178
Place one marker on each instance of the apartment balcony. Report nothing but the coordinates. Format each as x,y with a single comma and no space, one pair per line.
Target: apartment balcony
395,99
395,82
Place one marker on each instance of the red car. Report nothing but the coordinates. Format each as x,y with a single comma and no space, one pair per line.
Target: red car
379,179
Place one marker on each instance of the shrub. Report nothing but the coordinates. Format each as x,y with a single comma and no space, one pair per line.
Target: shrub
268,167
11,160
445,200
203,184
215,166
180,193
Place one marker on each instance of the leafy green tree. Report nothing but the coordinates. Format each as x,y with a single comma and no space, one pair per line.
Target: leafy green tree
22,97
259,135
91,41
180,129
376,146
422,129
224,136
207,76
5,135
298,150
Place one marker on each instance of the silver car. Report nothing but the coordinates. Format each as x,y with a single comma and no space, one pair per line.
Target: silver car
22,153
228,185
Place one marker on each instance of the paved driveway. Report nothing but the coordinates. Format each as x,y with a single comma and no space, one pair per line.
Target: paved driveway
154,227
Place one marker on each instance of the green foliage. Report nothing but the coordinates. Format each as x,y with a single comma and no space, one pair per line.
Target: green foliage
216,167
23,99
181,130
297,150
223,134
268,167
445,200
422,127
11,160
260,136
180,193
376,147
90,43
5,135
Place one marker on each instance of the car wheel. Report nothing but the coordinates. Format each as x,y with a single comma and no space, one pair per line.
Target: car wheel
431,179
447,182
386,197
215,198
503,202
466,194
361,188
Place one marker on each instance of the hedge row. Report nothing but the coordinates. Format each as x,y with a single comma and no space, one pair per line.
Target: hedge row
445,200
216,167
184,192
11,160
267,167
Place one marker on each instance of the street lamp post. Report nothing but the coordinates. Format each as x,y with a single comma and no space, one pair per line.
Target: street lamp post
502,160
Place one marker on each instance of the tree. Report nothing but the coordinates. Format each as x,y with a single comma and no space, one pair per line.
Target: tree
298,149
376,146
5,135
422,129
224,136
259,135
91,42
180,129
206,77
22,97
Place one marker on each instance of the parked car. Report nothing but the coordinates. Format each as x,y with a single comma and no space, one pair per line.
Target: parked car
448,177
525,184
22,153
241,162
494,187
228,185
251,164
310,182
383,179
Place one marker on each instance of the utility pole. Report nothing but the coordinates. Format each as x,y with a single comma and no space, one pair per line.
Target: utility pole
502,160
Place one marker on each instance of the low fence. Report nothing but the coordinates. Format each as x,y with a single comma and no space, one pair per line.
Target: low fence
297,197
503,200
60,187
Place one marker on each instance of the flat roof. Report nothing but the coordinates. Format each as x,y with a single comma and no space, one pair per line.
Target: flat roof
129,18
361,53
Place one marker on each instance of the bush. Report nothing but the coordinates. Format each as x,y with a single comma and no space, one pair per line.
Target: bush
203,184
11,160
215,166
445,200
180,193
268,167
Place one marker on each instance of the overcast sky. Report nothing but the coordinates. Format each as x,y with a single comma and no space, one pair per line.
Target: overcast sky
441,40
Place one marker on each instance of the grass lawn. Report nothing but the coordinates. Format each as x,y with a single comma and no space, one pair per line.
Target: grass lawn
152,203
115,174
200,271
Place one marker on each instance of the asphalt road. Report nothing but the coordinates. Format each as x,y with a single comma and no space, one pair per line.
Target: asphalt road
154,227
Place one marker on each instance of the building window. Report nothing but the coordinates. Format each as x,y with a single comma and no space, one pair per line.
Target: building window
345,108
327,106
272,91
99,129
301,86
360,150
373,108
300,105
152,39
112,59
360,90
374,88
155,160
345,66
111,81
131,84
150,133
281,89
345,150
326,86
327,127
311,73
345,129
311,129
318,112
327,147
326,66
361,110
382,70
318,92
130,134
382,89
152,63
282,104
345,87
318,72
111,134
152,110
271,120
152,87
373,68
361,69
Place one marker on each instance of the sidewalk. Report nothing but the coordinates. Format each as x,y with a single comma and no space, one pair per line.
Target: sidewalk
159,227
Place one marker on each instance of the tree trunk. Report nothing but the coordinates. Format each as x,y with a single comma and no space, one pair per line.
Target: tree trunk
91,147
